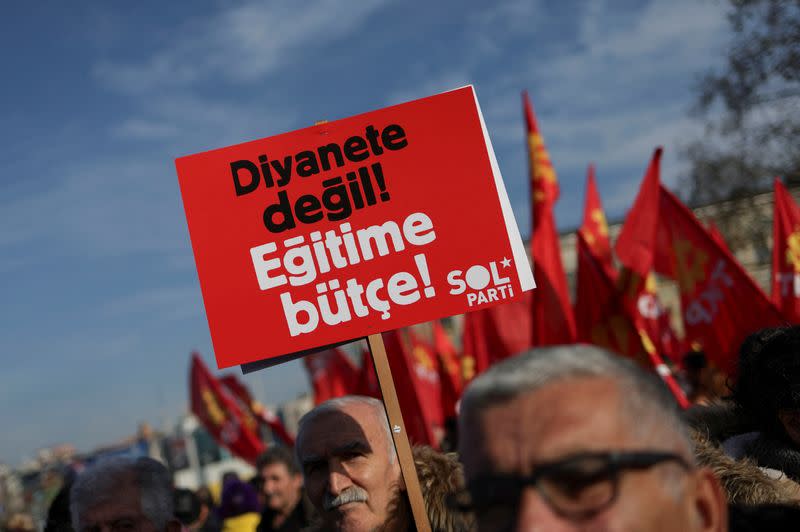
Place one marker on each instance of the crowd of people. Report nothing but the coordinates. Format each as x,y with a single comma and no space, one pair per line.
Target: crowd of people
559,438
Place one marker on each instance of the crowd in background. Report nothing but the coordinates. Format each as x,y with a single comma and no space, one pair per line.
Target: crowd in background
567,437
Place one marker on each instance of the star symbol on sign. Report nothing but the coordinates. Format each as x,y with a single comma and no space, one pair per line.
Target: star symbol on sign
505,262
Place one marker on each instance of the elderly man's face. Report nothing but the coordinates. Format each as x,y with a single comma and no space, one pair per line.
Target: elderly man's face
567,418
120,512
346,464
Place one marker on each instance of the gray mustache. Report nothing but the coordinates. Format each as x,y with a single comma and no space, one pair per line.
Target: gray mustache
351,494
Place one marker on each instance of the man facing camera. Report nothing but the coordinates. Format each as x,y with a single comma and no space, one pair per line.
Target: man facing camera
350,468
282,487
576,438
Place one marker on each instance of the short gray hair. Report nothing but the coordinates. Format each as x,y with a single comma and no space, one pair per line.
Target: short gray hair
646,399
337,404
102,481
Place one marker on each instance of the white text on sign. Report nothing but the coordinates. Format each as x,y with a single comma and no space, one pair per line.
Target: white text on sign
482,284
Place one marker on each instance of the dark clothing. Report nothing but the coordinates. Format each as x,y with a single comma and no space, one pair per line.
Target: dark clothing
301,517
775,518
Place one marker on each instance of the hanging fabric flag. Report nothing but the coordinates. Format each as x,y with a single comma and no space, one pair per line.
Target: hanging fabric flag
332,374
368,380
552,321
220,415
496,333
449,369
786,254
255,410
416,379
604,319
716,234
721,303
595,227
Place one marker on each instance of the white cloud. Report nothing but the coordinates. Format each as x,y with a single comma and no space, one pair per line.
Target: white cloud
138,128
238,44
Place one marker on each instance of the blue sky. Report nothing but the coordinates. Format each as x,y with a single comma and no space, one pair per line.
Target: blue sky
100,302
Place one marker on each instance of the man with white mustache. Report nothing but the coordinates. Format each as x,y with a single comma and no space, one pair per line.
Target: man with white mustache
350,467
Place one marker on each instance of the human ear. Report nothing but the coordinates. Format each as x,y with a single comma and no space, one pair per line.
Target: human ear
709,502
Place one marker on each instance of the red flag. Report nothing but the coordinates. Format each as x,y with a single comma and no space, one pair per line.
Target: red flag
495,333
332,374
416,379
477,339
716,234
220,415
637,241
255,410
368,380
786,254
552,320
604,319
600,314
595,227
721,303
641,300
449,369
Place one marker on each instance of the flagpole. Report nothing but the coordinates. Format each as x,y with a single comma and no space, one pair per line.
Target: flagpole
399,434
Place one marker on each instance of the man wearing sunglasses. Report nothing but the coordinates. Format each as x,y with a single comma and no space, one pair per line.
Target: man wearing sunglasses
576,438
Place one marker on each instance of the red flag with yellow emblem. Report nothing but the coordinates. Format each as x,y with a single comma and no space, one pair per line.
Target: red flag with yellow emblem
721,303
416,378
600,313
552,320
449,369
786,254
595,227
253,411
332,374
604,319
220,415
495,333
641,299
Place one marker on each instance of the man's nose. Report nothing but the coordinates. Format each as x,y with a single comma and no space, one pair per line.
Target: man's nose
535,515
338,480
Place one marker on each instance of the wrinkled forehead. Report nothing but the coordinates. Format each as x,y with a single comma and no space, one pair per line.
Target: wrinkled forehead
565,417
350,426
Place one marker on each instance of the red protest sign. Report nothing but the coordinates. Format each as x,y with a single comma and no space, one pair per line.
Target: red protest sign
352,227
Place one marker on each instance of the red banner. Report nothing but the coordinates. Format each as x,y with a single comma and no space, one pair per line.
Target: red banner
551,314
786,254
220,414
595,227
352,227
255,410
332,375
413,365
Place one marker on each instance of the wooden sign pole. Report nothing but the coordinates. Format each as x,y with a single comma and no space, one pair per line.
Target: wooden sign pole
378,351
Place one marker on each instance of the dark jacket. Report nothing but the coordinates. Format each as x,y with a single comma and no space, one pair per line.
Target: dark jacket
731,445
302,516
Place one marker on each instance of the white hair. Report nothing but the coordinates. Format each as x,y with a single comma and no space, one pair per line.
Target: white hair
648,404
339,403
104,480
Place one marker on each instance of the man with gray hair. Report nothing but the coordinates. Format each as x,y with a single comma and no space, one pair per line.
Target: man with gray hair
576,438
123,494
350,468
